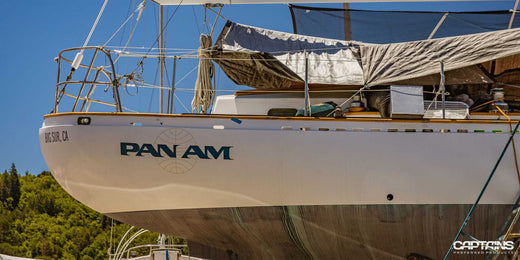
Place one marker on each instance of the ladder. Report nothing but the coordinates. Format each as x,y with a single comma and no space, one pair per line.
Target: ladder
512,219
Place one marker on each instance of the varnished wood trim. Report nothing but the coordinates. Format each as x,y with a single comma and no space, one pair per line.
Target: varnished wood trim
375,120
295,89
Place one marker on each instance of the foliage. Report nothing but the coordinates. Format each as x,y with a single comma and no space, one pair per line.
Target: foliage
10,188
38,219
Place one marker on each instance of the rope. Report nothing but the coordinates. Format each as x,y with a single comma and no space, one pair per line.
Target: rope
437,93
204,90
147,52
216,19
483,104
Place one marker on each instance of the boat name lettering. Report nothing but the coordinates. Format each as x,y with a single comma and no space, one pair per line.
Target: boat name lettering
56,137
483,245
162,150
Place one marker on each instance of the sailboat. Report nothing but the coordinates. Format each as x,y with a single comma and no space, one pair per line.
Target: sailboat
341,149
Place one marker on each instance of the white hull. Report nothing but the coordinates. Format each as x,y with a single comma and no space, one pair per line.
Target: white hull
270,166
286,193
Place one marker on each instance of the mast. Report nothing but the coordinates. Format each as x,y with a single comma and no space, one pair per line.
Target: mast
171,95
161,57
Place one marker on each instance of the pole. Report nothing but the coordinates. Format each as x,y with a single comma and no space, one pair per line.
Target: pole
438,25
346,22
173,85
161,57
513,15
443,92
306,110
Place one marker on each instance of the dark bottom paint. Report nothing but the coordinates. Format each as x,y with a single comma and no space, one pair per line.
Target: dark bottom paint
323,232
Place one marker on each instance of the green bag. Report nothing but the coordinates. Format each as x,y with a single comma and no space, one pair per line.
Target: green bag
319,110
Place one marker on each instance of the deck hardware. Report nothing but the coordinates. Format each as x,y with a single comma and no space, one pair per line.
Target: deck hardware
390,196
427,130
462,130
445,130
236,120
323,129
110,82
338,112
409,130
392,130
286,127
218,127
84,120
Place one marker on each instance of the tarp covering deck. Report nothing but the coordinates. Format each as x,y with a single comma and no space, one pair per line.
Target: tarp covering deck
262,58
388,63
254,52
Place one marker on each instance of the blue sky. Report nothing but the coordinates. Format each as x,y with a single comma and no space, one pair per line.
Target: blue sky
33,32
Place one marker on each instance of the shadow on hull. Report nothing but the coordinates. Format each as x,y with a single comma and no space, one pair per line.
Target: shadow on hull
323,232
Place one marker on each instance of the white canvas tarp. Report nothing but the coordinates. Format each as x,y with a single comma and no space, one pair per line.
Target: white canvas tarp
330,61
262,58
387,63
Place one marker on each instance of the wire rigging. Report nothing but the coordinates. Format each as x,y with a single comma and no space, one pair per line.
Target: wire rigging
139,10
164,28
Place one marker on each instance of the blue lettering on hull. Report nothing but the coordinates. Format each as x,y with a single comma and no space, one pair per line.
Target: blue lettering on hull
163,150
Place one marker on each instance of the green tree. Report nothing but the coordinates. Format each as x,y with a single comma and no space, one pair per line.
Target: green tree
10,188
14,185
4,186
49,224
